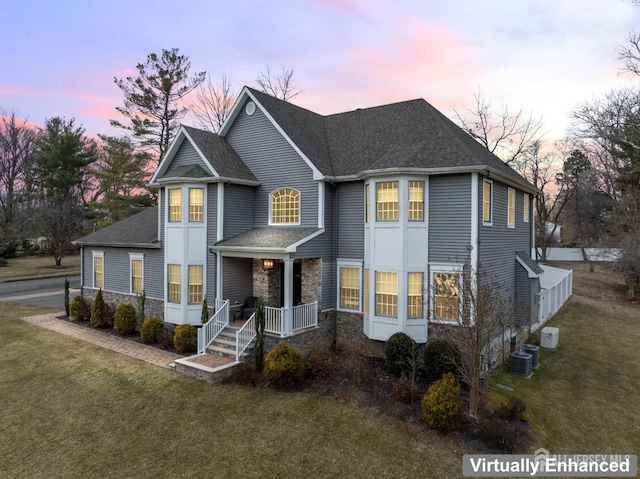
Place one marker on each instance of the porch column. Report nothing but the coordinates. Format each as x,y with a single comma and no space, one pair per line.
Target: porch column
288,298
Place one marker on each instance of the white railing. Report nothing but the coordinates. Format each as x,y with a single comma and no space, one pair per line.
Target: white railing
245,335
273,319
305,316
556,287
209,331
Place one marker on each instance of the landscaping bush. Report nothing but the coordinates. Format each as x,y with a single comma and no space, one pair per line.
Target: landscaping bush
442,406
284,366
439,358
398,353
513,409
99,312
185,339
403,389
165,340
78,308
3,263
320,364
151,329
505,436
124,320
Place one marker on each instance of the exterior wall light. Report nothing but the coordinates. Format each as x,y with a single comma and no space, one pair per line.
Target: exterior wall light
268,264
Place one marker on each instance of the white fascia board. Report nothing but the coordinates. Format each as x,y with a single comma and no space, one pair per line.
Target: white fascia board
530,273
292,248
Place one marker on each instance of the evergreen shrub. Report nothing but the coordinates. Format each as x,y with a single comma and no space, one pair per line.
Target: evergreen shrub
284,366
185,339
151,329
124,320
398,351
442,406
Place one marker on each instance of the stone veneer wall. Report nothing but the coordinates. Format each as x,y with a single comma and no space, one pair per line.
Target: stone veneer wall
312,281
152,307
266,284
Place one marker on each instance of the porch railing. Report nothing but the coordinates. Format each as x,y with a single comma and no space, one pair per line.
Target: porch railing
244,336
212,328
304,316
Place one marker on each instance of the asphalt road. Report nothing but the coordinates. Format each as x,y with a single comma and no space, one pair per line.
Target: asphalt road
48,292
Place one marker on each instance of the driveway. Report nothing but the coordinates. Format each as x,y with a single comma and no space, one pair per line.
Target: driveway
48,292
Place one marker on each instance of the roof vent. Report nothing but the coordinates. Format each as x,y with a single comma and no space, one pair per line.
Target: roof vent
250,109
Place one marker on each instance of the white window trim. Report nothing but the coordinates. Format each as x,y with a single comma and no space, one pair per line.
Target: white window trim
271,223
490,222
375,203
526,213
132,257
511,191
94,255
443,268
408,195
355,264
407,273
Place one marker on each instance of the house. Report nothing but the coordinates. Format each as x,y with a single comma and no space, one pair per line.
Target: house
355,224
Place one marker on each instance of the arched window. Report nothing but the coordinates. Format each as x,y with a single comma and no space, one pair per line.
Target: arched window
285,206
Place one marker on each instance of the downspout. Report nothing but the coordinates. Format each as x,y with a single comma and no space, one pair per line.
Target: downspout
336,208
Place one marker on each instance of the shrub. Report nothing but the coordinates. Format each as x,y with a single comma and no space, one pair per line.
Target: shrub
99,312
78,308
439,358
3,263
284,366
151,329
507,437
124,321
320,364
185,339
513,409
442,406
398,352
403,389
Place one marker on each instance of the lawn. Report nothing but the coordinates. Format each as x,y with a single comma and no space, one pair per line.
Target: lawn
69,409
583,399
32,267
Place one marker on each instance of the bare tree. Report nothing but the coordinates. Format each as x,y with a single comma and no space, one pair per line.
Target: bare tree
214,103
483,310
503,132
280,86
17,145
629,54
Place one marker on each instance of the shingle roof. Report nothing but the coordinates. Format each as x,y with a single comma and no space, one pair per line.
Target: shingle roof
220,155
406,135
186,171
530,263
139,230
276,238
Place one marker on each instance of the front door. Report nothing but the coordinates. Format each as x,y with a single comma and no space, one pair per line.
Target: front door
297,284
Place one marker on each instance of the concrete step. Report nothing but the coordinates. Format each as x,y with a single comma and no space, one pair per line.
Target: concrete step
221,351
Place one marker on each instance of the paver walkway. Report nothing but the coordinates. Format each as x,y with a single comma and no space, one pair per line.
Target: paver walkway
146,353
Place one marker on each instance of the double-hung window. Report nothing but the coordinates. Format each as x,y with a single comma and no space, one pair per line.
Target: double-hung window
446,297
511,208
98,269
175,204
525,214
416,200
196,204
350,288
387,201
195,284
487,202
137,273
414,295
387,293
174,276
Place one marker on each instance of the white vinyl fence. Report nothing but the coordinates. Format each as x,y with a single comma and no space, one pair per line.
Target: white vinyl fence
556,285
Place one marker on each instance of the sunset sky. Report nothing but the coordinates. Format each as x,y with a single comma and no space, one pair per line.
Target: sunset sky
59,58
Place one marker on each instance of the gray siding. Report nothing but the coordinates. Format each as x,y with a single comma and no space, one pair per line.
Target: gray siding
351,220
186,155
449,218
498,243
212,232
238,209
163,205
275,164
238,278
523,294
117,270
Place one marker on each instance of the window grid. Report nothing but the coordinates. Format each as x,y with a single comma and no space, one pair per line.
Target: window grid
525,214
175,204
136,276
98,271
387,293
416,201
366,291
350,288
511,208
195,283
446,297
196,204
285,206
367,200
486,202
387,200
414,295
175,272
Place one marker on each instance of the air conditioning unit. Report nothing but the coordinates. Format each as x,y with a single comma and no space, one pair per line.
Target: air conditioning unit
549,338
521,364
534,351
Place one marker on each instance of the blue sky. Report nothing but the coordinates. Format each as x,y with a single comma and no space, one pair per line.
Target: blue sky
60,57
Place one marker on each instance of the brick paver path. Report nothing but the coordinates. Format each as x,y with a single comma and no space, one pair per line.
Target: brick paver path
105,340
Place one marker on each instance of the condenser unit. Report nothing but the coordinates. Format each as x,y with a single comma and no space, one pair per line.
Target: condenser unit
521,364
534,351
549,338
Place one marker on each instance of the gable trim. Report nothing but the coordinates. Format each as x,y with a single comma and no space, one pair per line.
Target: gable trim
235,111
530,273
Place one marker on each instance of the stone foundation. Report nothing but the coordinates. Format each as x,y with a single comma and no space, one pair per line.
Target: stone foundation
152,307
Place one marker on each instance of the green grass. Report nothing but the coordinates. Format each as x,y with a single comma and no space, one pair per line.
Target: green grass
33,267
69,409
584,396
